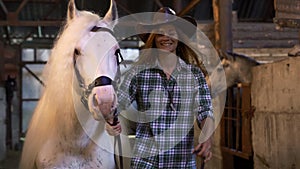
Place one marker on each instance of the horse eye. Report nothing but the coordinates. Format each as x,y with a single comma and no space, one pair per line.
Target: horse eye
226,65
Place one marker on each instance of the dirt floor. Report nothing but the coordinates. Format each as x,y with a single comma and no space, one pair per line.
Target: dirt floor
11,161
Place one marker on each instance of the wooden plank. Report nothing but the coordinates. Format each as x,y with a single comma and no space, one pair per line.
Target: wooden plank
257,35
259,27
31,23
236,153
266,35
229,115
292,6
264,43
238,116
246,119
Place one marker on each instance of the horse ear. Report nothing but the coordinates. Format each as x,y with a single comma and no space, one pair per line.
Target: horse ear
231,55
222,54
112,14
225,55
72,10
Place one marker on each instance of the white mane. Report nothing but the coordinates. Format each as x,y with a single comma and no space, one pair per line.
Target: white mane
55,110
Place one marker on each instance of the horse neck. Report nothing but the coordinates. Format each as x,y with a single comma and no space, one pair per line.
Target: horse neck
78,126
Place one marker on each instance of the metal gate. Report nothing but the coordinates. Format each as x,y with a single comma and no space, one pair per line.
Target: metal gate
236,122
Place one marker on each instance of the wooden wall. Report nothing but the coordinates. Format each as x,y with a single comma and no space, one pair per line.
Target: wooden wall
262,41
276,121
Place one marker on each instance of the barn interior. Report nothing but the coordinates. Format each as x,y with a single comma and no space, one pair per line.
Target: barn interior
265,30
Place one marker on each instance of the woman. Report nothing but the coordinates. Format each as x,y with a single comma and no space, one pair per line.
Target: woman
169,89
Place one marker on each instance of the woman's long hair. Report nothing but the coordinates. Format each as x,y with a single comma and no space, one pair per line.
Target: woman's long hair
185,50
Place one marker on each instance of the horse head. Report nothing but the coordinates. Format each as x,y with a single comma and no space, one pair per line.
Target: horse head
96,62
237,67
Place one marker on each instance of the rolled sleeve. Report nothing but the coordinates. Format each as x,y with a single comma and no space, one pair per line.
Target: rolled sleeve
203,104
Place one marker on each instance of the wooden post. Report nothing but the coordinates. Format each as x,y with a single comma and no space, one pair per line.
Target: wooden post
217,23
222,10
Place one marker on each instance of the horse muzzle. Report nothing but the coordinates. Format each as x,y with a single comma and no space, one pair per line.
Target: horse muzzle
103,101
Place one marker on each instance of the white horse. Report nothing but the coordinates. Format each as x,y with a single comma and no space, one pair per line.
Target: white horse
67,127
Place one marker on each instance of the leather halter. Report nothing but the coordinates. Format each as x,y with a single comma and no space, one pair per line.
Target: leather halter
100,81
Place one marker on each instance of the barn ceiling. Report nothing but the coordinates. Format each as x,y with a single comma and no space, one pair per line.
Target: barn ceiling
38,21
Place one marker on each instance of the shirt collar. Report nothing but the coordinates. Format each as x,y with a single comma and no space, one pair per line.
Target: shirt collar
180,64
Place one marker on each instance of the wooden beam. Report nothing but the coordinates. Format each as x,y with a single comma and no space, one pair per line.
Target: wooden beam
158,3
56,3
31,23
189,7
225,11
24,2
120,4
36,1
216,9
3,7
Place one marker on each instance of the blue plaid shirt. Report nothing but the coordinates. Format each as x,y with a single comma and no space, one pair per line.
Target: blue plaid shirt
166,111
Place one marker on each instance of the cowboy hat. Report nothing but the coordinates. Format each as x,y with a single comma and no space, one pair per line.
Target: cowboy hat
166,15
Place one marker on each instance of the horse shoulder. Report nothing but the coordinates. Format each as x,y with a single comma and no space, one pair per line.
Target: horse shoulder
47,156
56,154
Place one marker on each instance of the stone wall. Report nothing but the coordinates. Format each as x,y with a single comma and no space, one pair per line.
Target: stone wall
276,121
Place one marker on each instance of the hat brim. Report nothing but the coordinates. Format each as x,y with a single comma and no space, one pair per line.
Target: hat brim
186,24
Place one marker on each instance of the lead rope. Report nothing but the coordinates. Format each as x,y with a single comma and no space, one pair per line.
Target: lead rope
115,121
117,140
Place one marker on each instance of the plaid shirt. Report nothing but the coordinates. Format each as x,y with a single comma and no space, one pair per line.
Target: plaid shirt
166,109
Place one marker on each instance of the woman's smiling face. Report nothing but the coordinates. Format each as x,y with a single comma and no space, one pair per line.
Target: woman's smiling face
166,38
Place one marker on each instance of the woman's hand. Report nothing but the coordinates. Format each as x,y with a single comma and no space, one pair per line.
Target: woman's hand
113,130
204,150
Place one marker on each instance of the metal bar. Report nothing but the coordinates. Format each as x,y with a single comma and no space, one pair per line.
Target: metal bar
31,99
34,75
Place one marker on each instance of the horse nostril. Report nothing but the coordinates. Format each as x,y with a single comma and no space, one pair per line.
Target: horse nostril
95,101
77,52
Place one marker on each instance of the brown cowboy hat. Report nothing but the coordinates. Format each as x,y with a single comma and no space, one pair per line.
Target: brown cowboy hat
166,15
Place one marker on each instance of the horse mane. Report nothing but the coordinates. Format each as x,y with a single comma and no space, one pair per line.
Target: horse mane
243,57
55,112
